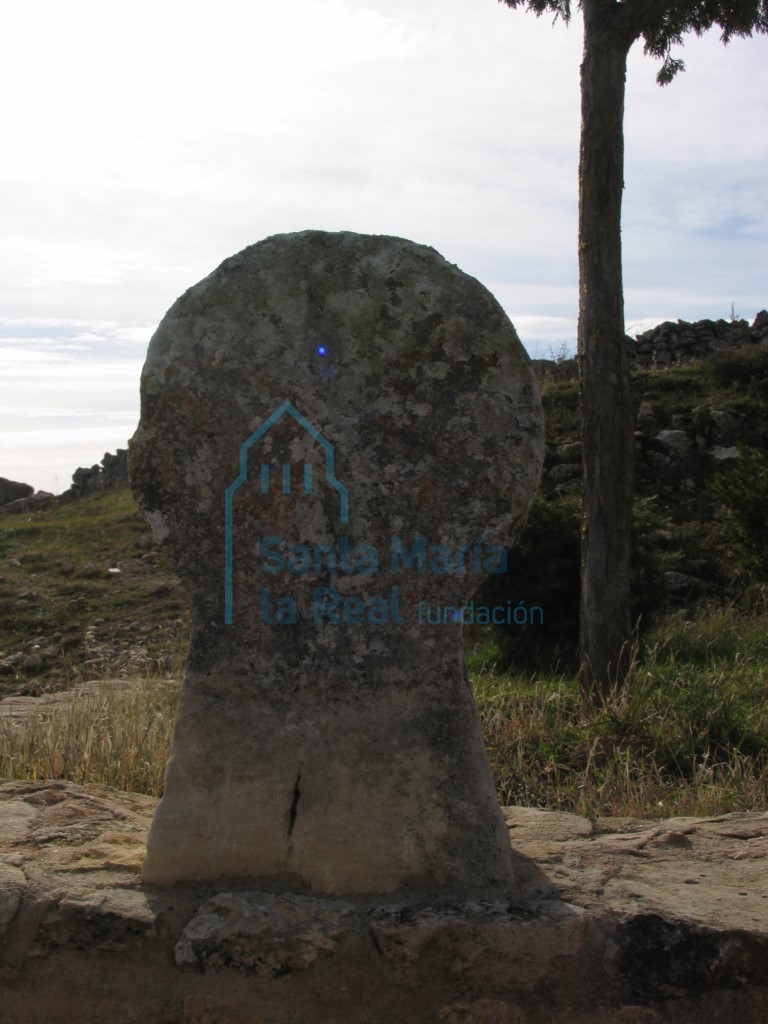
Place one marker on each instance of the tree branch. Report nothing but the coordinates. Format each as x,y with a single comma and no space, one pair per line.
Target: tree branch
635,16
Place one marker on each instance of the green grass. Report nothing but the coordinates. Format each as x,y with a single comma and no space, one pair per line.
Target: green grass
689,738
62,602
560,400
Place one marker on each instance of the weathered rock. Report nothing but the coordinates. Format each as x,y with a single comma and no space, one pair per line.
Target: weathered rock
564,472
263,933
723,454
12,886
682,585
646,416
614,921
759,329
675,441
112,473
726,427
372,434
33,503
12,490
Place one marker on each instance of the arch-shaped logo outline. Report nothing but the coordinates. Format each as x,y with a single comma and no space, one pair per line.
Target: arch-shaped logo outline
236,484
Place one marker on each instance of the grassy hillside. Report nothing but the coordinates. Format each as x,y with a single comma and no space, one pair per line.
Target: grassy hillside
84,593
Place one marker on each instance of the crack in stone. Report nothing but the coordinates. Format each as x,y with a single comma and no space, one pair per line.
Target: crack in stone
294,804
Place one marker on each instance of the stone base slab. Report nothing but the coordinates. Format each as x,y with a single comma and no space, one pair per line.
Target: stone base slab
616,920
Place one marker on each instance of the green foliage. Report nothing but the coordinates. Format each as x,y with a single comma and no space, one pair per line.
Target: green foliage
561,403
670,67
714,637
663,25
743,490
648,593
739,367
689,738
544,570
709,675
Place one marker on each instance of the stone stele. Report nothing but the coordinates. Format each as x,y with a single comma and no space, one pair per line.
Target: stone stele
338,432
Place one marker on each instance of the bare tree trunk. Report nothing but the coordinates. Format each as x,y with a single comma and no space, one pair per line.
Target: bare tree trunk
607,427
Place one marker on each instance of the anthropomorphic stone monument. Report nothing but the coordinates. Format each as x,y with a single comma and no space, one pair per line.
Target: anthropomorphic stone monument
339,433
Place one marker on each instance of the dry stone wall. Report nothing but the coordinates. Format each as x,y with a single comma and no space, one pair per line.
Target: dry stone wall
674,453
674,343
110,474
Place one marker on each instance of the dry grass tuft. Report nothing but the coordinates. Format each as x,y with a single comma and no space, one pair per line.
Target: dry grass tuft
116,732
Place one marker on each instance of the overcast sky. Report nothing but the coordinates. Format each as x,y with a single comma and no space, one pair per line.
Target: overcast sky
143,143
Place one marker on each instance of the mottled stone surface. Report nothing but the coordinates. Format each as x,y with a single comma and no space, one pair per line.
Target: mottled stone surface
338,432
